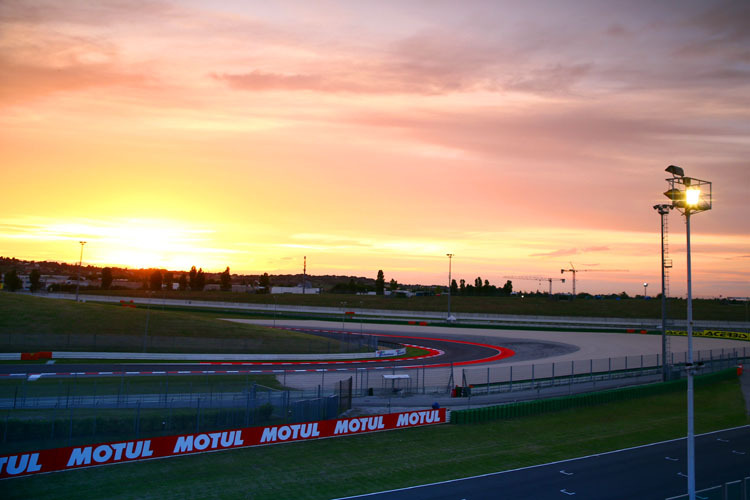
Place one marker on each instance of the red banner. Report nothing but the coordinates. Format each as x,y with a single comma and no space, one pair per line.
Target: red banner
59,459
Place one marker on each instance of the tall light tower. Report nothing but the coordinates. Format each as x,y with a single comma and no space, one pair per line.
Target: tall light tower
450,262
689,195
645,287
80,260
666,263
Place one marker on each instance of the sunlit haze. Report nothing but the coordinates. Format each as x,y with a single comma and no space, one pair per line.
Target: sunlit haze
523,137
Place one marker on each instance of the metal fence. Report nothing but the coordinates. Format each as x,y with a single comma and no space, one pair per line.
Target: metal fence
80,410
732,490
498,379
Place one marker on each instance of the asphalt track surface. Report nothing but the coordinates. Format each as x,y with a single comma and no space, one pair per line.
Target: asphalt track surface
655,471
463,351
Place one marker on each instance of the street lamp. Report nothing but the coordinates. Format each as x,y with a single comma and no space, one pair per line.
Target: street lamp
451,318
689,195
645,287
80,260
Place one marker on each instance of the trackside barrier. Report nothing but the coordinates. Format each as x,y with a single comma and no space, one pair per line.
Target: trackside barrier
60,459
732,490
538,407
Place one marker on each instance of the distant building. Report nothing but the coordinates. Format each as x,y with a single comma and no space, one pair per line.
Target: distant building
294,289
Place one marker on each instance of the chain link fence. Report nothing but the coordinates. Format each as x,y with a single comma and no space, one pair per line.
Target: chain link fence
66,412
511,378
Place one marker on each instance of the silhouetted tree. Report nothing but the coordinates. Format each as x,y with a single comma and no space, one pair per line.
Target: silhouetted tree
193,275
183,282
35,280
106,278
380,283
200,280
454,287
508,287
393,285
226,280
168,280
11,281
155,280
264,283
463,287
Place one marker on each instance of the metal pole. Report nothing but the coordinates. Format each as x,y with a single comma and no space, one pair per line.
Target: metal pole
80,261
663,212
690,416
450,262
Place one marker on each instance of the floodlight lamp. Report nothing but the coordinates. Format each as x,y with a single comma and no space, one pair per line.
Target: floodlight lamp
675,171
692,196
677,196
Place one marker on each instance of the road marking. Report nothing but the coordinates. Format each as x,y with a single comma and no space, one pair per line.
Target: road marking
681,474
567,492
566,473
34,376
738,452
722,440
672,459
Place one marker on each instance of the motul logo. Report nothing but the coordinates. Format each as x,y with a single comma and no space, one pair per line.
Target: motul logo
212,441
287,432
418,417
18,464
110,452
361,424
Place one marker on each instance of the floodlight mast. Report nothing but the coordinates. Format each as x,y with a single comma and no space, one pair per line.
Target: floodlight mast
689,195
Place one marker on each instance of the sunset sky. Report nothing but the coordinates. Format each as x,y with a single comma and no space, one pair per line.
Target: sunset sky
520,136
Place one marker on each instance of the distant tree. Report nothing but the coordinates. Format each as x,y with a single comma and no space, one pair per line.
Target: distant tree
155,280
200,280
226,280
35,280
11,281
265,284
193,275
183,282
380,283
478,284
508,288
106,278
454,287
393,285
168,280
462,288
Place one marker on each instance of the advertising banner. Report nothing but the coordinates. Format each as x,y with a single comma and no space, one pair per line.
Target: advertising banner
718,334
75,457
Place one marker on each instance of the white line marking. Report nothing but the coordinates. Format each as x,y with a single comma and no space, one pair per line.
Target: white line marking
105,373
566,492
566,473
681,474
34,376
672,459
738,452
159,373
722,440
544,465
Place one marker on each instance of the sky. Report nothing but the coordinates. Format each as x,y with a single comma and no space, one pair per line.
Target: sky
524,137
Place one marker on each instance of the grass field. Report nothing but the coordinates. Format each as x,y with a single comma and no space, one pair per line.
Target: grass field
31,323
626,308
359,464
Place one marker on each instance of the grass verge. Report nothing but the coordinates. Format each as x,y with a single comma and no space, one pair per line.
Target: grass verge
367,463
31,323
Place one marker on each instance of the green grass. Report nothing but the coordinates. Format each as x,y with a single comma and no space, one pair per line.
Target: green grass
626,308
367,463
31,323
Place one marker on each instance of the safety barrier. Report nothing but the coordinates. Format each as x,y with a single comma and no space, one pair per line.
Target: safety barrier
538,407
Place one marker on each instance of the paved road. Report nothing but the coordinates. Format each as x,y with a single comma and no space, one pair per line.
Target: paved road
654,471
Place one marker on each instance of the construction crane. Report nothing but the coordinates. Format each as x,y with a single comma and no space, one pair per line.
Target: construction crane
537,278
574,271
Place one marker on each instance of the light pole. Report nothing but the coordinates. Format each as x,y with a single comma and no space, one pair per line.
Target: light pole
689,195
663,210
645,293
450,262
80,260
